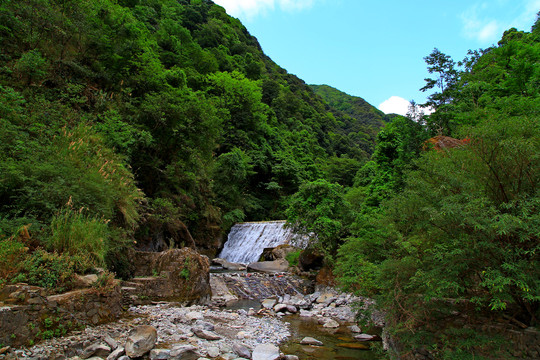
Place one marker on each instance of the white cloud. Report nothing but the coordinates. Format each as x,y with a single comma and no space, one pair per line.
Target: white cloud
252,8
395,105
398,105
476,25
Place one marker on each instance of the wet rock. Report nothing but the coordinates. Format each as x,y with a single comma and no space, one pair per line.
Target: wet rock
205,334
276,266
280,308
242,351
160,354
265,352
326,298
140,341
292,309
366,337
311,341
268,303
331,323
291,357
355,329
306,313
96,350
116,354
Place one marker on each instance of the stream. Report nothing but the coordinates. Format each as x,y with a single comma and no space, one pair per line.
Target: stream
335,340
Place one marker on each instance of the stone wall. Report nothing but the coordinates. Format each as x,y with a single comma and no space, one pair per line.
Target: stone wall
28,314
178,274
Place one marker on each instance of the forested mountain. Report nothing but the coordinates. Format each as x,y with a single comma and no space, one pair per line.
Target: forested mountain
156,121
357,108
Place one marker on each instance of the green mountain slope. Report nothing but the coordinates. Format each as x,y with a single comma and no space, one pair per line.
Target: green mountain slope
162,122
356,107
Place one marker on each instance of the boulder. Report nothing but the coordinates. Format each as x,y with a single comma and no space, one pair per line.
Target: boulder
281,251
268,303
213,351
140,341
311,341
242,351
331,323
205,334
275,266
115,355
160,354
265,352
280,308
228,265
355,329
184,352
367,337
84,281
96,350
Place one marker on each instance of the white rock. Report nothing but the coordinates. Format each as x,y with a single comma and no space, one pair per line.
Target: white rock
213,351
160,354
311,341
115,355
265,352
331,323
194,315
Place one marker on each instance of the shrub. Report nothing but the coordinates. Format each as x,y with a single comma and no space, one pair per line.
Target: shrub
50,270
75,233
292,257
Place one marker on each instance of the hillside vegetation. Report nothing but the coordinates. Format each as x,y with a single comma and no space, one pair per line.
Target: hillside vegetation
441,226
159,123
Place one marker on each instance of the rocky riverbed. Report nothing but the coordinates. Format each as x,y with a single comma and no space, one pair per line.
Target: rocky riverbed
170,331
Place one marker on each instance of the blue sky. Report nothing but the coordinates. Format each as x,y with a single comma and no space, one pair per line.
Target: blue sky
375,49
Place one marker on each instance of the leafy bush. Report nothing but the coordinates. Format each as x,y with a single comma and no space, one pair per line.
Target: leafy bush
50,270
292,257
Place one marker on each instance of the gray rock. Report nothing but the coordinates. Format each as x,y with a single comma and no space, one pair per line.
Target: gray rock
311,341
265,352
194,315
280,308
205,325
355,329
124,357
213,351
242,351
205,334
96,350
331,323
268,303
292,309
160,354
115,355
365,337
291,357
141,340
184,352
275,266
110,341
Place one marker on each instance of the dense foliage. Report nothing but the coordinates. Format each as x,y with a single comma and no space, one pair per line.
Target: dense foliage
155,122
446,239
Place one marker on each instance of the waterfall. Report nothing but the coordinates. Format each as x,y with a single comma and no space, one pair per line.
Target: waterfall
246,241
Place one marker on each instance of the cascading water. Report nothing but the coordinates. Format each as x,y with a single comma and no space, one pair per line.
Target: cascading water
247,241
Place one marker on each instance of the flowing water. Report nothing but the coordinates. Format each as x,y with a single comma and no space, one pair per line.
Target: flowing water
246,241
